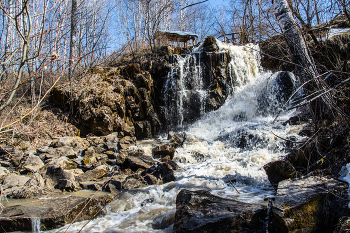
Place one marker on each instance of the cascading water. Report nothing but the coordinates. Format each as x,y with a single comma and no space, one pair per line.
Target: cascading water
184,83
235,141
35,225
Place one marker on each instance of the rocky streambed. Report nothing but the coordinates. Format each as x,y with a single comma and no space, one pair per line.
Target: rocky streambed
52,181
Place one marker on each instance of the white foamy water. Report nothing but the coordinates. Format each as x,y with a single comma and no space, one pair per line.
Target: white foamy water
236,140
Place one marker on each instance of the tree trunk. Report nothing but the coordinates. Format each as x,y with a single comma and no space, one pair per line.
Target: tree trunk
305,64
72,48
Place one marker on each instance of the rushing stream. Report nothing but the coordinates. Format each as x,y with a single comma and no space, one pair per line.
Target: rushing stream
235,141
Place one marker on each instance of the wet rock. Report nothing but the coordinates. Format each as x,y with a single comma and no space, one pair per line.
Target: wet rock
67,185
143,129
126,142
163,171
165,159
114,186
164,221
164,150
54,212
304,205
94,174
177,138
135,163
278,171
32,163
199,211
173,164
129,131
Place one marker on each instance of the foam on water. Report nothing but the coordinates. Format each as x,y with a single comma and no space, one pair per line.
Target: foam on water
234,141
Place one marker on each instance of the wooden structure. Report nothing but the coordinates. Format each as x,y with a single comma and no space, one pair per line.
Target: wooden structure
176,38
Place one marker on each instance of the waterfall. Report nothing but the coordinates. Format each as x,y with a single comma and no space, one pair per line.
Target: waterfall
235,140
194,77
35,225
183,86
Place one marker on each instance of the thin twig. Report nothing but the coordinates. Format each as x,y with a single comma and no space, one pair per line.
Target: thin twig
232,184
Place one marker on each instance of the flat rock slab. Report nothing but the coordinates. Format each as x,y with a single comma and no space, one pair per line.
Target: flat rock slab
307,205
199,211
54,212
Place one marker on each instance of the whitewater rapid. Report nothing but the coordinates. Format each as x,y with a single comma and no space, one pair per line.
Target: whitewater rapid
235,141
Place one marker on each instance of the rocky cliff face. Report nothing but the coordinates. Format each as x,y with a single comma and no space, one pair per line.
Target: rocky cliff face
145,98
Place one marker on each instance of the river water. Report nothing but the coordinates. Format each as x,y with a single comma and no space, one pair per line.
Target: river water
235,141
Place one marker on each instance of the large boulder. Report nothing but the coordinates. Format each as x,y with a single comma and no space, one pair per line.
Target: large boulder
199,211
53,212
307,205
279,170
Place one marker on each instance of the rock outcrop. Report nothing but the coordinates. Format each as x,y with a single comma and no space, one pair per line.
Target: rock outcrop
199,211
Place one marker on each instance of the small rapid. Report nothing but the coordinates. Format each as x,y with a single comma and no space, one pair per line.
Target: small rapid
231,144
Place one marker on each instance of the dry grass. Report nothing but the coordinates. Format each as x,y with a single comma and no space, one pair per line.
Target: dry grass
36,130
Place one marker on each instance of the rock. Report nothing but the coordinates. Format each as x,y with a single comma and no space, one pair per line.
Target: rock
305,205
129,131
33,186
143,129
67,185
164,221
279,170
135,163
66,151
32,163
163,171
74,142
199,211
111,146
135,151
62,179
121,157
94,174
13,180
114,186
165,159
3,172
126,142
113,137
177,138
173,164
62,162
343,225
164,150
210,44
54,212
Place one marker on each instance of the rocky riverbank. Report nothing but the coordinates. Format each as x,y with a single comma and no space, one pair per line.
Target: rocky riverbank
54,179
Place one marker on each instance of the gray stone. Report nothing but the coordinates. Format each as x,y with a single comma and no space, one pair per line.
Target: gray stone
54,212
63,162
304,205
13,180
199,211
32,163
94,174
135,163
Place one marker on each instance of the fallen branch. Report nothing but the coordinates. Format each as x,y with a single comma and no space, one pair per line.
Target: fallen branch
232,184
